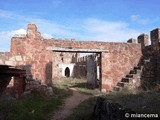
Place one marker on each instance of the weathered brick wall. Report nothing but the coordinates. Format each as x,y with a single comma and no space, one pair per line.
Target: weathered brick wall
39,63
60,58
155,45
122,57
151,76
32,48
9,59
80,71
118,62
158,69
80,68
4,56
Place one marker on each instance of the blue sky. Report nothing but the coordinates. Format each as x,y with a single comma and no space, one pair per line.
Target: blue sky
94,20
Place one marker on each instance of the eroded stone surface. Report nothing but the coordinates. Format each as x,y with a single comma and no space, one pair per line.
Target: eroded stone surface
30,52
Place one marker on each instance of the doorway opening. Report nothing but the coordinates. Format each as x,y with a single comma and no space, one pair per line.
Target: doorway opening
67,72
86,64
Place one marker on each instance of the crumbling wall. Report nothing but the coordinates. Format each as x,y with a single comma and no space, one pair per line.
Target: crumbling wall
61,59
91,71
150,61
88,67
8,59
32,49
118,62
40,64
122,57
80,68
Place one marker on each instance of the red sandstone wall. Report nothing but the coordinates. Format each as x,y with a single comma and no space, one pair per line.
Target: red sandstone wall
32,48
122,57
4,56
60,58
36,58
118,62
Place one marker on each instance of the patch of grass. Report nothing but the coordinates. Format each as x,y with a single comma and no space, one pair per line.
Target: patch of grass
79,84
139,101
83,111
65,83
88,91
33,106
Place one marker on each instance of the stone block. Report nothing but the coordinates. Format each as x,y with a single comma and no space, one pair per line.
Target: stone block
10,63
1,61
143,39
155,38
49,91
131,40
18,58
12,58
32,32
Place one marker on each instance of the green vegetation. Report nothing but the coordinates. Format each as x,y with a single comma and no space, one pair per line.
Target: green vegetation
33,106
79,84
139,101
84,111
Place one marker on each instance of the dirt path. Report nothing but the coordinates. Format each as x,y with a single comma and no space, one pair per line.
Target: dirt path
70,103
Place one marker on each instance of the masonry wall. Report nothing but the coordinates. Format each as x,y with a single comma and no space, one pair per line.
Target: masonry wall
118,63
122,57
9,59
150,76
41,64
36,60
80,68
61,59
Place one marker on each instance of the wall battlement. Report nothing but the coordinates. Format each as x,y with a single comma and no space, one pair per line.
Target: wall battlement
122,57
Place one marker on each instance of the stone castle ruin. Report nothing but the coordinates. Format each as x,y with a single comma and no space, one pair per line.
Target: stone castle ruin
114,65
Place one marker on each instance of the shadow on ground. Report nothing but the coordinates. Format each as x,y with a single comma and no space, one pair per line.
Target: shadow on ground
140,102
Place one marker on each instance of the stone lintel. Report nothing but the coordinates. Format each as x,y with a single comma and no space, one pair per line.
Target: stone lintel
76,50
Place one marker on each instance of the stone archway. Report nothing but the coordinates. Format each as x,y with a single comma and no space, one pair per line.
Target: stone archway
67,72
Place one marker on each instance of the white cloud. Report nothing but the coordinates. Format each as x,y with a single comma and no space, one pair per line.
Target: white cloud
5,38
109,31
138,19
83,29
53,28
6,34
47,36
20,31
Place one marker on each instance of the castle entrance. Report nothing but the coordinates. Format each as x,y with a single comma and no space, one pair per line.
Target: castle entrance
88,66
